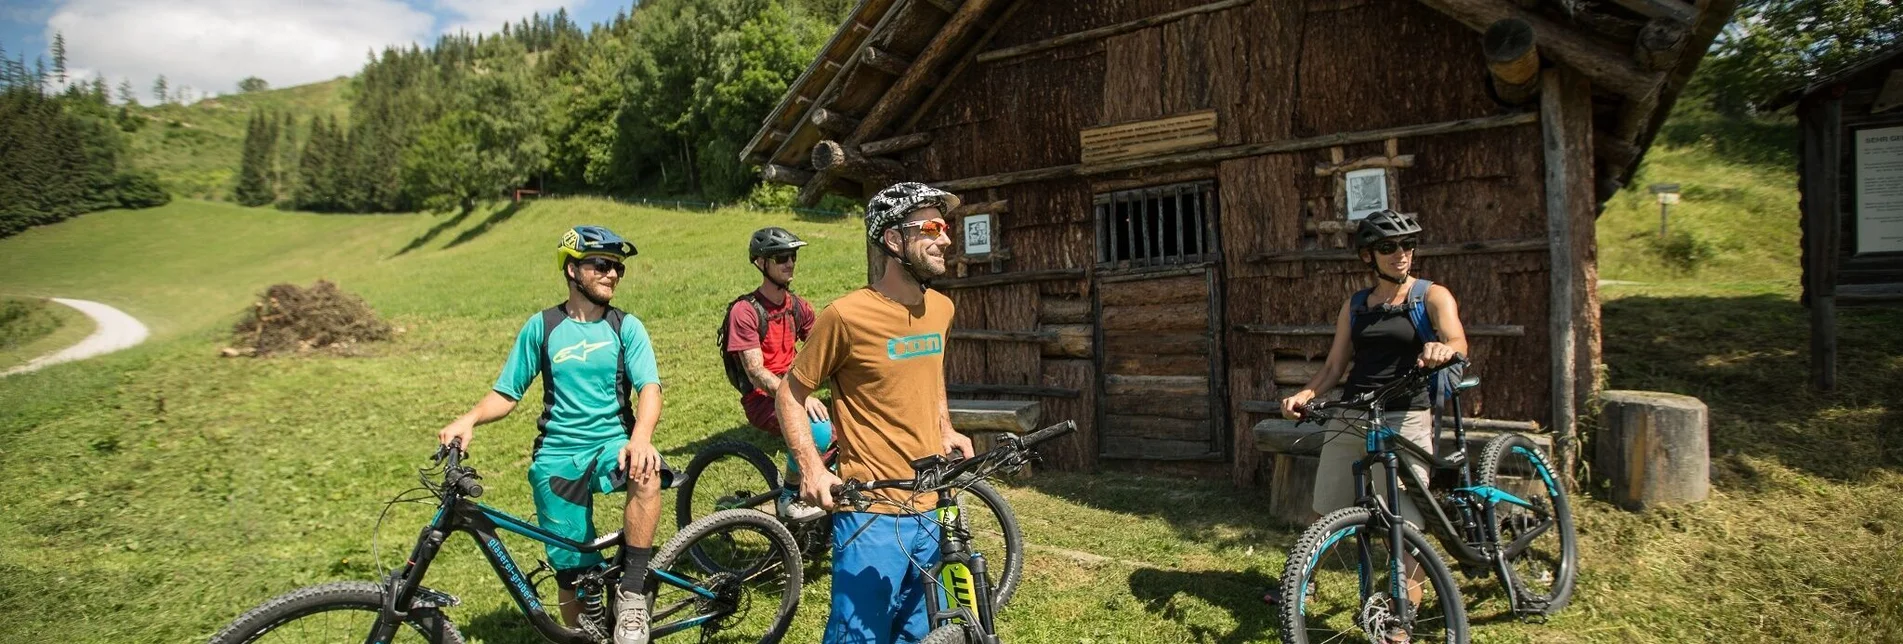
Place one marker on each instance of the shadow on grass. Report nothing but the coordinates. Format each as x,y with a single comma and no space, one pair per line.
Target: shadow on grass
1239,593
495,219
435,230
1748,359
501,625
1205,512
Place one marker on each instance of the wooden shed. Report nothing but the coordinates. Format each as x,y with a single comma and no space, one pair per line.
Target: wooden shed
1159,193
1851,178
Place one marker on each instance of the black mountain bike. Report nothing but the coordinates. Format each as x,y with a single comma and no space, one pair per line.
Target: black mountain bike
1364,574
751,597
733,474
963,608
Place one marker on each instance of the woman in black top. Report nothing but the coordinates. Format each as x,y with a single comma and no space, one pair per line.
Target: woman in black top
1374,346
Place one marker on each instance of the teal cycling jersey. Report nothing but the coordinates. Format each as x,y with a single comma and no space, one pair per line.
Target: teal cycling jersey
582,409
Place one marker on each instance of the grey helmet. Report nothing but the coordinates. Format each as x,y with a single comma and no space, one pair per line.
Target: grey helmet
891,205
772,240
1385,224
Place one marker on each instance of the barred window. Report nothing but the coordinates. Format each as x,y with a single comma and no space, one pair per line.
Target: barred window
1161,226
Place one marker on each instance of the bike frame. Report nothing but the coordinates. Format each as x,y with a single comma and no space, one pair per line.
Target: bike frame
964,581
458,514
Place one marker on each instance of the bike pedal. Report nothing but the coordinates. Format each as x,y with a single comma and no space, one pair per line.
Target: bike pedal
436,598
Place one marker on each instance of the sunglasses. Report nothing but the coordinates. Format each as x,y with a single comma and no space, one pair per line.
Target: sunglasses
787,258
603,265
1390,247
933,228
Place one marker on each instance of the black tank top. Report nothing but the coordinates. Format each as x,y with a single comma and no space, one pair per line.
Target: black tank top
1386,347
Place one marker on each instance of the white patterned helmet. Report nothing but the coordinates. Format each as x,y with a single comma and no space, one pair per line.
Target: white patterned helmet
892,205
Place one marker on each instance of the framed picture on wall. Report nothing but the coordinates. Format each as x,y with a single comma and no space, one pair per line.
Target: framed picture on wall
1367,192
977,234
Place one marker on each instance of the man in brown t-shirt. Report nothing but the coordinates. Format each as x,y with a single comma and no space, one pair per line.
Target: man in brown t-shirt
883,348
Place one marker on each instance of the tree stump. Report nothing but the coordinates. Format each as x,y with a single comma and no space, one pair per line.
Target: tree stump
1653,448
1292,488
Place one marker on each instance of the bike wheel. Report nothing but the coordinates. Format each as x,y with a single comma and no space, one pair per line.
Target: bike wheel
1545,569
994,533
335,612
1339,585
723,477
747,593
948,634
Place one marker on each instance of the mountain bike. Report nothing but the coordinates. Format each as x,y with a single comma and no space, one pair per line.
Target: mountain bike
963,609
733,474
750,598
1365,573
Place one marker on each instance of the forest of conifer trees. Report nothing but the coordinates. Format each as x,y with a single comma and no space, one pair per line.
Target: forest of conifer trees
61,149
654,102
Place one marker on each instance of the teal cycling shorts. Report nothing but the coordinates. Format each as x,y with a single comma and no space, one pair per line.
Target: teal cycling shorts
564,487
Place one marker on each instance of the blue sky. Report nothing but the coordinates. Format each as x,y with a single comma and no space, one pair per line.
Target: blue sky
209,45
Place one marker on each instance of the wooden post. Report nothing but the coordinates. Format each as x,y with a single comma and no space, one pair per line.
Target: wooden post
1566,127
829,157
1512,60
1653,449
1821,124
781,174
1292,488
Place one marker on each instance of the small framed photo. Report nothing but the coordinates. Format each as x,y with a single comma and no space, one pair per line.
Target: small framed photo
977,234
1367,192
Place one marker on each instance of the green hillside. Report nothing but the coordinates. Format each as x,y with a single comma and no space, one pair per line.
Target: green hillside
195,148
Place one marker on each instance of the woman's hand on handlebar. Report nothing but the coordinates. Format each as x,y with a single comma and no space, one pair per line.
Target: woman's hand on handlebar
1435,354
1292,405
460,430
816,488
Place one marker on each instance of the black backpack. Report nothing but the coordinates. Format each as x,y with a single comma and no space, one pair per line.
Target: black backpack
552,317
736,370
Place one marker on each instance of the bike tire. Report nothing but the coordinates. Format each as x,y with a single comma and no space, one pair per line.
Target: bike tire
1010,570
776,541
1508,459
1324,543
723,464
948,634
274,615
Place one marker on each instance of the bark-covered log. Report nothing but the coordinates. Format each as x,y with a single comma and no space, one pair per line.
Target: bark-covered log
1015,416
895,144
884,61
1513,60
832,157
1063,310
1072,341
1653,448
835,122
775,173
1292,488
1657,45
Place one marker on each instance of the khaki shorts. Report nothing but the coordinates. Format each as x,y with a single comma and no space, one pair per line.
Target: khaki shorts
1335,477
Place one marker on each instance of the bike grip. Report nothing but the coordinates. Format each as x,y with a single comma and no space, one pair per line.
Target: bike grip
1048,433
469,488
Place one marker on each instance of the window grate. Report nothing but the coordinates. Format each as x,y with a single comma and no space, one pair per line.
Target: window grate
1161,226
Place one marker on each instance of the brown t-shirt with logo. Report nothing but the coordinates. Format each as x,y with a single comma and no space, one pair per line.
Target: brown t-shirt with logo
887,364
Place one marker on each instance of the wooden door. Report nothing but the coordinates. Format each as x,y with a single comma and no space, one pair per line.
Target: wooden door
1161,392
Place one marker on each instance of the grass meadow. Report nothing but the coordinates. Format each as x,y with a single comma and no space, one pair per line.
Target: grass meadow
158,492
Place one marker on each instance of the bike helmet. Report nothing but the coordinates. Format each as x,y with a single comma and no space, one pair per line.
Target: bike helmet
772,240
582,241
890,206
1384,224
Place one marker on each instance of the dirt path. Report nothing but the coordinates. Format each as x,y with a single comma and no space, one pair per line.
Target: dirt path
116,331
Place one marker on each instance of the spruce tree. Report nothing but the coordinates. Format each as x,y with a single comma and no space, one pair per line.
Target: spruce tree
159,89
254,186
126,97
59,58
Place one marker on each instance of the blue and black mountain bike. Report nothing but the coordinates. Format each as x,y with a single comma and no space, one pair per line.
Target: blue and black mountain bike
748,596
1365,574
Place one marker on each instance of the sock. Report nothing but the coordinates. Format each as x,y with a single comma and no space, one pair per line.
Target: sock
634,569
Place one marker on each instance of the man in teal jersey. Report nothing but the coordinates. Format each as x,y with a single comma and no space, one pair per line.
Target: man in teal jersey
594,439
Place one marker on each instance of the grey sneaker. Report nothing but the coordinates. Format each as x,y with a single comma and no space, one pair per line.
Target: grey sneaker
791,508
631,618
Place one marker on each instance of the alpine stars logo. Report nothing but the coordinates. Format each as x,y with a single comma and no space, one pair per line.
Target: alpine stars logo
914,346
580,351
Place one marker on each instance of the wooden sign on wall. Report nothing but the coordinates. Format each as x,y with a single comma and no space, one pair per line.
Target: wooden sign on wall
1149,138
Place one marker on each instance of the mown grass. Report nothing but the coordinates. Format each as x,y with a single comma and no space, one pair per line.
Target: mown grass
159,491
195,149
32,327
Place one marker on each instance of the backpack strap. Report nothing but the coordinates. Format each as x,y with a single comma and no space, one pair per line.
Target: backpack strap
551,317
624,388
1358,304
1417,311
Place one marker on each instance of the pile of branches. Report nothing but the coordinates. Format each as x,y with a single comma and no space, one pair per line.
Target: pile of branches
288,319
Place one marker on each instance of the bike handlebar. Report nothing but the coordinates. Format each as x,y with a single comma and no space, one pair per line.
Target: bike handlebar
457,478
1413,380
937,475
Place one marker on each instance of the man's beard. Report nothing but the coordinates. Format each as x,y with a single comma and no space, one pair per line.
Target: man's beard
589,292
922,268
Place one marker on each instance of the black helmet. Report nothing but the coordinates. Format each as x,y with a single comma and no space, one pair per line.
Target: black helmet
772,240
1384,224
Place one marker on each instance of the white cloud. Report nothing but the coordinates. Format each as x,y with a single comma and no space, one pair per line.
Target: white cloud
209,45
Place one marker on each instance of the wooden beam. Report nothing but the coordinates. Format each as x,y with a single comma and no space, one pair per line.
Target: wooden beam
831,158
1473,330
1106,31
1467,248
1667,9
884,61
964,389
835,122
1611,70
1015,277
1566,128
1513,60
925,106
1657,47
1820,125
895,144
1003,336
795,99
1850,294
993,207
836,84
1015,416
947,6
782,174
1211,155
917,76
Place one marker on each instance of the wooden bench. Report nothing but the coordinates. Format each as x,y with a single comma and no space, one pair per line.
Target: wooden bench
985,420
1297,451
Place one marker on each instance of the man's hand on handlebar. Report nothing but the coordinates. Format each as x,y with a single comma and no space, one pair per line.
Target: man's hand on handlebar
816,488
